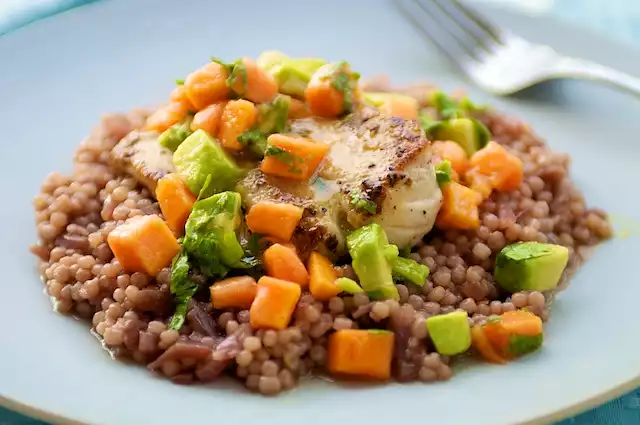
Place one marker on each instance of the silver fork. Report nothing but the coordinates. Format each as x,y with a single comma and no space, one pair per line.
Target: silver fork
497,60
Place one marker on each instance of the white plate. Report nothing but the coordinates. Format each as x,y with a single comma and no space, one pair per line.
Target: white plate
59,75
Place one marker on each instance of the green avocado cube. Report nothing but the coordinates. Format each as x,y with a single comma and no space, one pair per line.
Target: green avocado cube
271,58
450,333
200,156
519,345
369,260
530,266
379,98
210,229
349,286
391,253
470,134
293,75
410,271
172,137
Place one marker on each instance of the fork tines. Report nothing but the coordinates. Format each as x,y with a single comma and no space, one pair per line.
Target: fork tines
454,27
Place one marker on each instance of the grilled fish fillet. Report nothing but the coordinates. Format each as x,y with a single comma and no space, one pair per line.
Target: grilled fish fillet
385,161
140,155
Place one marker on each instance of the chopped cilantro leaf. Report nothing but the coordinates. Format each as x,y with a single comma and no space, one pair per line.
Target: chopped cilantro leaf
447,107
255,140
427,123
443,172
180,82
285,157
221,62
345,82
238,73
205,186
494,319
182,288
360,201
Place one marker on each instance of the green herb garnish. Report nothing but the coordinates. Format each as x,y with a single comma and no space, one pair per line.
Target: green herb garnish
449,108
428,123
238,73
443,172
285,157
180,82
272,118
379,331
182,288
360,201
205,187
446,106
494,319
255,140
210,246
345,82
221,62
173,137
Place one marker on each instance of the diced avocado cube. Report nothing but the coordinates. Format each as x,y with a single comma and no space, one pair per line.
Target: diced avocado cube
349,286
468,106
530,266
199,157
172,137
450,333
293,75
367,249
379,98
391,253
427,122
405,268
470,134
210,234
272,116
519,345
443,172
410,271
447,107
270,58
306,65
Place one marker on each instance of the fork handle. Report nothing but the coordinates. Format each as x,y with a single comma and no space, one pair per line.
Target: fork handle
584,69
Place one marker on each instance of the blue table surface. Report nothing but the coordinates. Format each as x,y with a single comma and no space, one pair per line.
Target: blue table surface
618,19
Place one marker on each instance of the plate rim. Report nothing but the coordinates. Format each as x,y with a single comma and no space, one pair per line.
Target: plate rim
570,410
552,417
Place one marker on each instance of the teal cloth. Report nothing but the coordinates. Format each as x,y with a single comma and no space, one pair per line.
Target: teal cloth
17,13
619,19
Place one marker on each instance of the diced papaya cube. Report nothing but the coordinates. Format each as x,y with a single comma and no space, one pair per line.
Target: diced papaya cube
234,292
459,208
364,353
322,278
292,157
166,116
237,117
143,244
274,304
454,153
282,262
483,346
175,200
274,219
207,85
503,169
